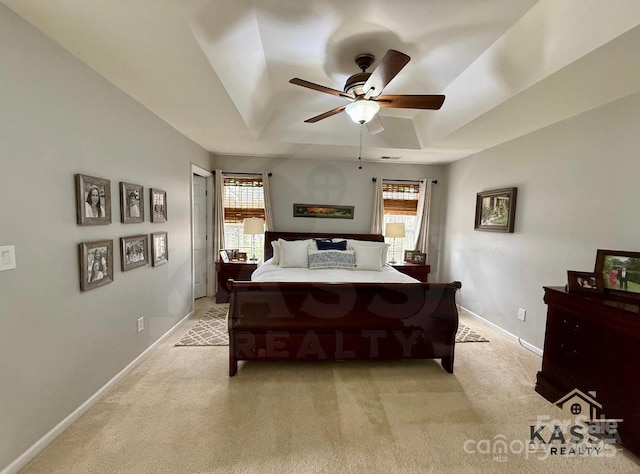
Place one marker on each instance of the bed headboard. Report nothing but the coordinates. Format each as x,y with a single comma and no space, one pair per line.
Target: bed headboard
270,236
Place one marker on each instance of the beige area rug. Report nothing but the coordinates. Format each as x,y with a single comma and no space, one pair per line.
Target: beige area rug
211,330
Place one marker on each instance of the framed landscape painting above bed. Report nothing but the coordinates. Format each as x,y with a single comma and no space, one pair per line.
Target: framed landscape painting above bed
323,210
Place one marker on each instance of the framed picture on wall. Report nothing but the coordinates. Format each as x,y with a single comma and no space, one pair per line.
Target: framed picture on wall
158,205
134,252
496,210
131,203
96,264
93,200
159,248
323,210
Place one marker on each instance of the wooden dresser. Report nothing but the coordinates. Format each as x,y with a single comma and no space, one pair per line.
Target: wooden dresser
419,271
592,343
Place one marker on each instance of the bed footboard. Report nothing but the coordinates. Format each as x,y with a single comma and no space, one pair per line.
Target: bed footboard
338,321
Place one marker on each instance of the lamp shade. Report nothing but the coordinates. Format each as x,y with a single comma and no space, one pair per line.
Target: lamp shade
253,225
394,229
361,111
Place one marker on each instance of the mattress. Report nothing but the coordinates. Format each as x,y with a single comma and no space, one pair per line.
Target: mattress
270,272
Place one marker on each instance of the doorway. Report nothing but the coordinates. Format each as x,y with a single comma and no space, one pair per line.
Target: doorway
201,232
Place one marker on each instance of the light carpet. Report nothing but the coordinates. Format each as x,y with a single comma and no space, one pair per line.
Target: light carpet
211,330
178,412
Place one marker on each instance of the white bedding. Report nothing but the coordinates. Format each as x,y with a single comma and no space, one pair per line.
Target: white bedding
270,272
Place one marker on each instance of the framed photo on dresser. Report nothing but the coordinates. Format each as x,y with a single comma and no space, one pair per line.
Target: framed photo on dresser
583,282
619,271
408,256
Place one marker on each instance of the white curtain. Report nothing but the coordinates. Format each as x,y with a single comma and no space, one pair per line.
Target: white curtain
424,208
268,212
218,213
377,222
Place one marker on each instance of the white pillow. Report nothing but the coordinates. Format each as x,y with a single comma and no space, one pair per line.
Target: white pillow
294,253
367,243
368,258
275,245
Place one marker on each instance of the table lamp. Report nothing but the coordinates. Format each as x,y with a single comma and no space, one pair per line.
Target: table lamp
253,226
394,230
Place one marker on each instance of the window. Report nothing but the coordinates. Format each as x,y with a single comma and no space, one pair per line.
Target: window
400,203
243,197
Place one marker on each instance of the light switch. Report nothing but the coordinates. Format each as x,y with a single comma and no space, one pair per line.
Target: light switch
7,257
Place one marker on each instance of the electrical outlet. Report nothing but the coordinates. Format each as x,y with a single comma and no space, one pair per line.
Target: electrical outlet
140,324
522,314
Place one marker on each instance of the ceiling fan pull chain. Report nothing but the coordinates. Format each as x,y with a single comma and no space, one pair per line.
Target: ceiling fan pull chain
360,152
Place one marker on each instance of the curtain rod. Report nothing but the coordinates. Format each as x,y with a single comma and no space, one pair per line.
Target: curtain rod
434,181
243,174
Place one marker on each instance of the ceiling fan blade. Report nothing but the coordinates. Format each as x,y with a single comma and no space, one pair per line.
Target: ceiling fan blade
318,87
410,101
331,112
390,65
375,125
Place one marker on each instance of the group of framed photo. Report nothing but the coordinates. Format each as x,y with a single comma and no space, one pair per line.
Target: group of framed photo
413,256
616,273
96,258
93,202
233,255
93,206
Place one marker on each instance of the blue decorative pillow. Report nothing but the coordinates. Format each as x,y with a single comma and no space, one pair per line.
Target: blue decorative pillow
330,245
332,259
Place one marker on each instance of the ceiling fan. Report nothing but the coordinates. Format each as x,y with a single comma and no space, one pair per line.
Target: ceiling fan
364,90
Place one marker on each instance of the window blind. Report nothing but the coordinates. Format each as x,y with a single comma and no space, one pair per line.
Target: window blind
243,197
400,198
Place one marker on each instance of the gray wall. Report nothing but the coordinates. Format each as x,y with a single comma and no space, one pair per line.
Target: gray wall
58,346
340,183
578,190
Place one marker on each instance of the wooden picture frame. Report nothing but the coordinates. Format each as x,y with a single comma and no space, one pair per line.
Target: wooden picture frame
159,248
584,282
496,210
620,272
158,208
131,203
325,211
134,252
89,210
419,257
242,256
408,256
96,264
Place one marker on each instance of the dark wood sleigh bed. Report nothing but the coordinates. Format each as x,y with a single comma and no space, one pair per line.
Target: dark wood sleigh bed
339,321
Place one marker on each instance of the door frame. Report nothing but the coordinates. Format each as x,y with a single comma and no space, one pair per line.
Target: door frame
208,175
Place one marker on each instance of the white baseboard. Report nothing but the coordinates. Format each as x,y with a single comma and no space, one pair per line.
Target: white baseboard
537,351
43,442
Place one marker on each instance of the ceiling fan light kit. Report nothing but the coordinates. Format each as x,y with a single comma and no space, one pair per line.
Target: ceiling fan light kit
362,111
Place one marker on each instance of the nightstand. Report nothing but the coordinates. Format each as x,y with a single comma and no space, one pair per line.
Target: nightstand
419,271
240,271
